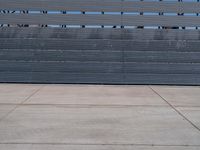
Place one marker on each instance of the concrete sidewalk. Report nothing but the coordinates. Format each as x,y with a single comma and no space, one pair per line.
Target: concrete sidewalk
99,117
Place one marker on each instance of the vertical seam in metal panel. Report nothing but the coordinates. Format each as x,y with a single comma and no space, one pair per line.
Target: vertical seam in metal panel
32,59
122,48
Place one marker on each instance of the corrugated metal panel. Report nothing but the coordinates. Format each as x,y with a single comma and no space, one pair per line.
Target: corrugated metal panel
104,56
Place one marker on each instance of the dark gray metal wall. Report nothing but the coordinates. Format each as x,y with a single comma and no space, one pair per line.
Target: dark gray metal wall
110,56
104,55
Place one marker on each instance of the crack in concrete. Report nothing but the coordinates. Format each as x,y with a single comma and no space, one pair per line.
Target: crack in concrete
16,106
176,110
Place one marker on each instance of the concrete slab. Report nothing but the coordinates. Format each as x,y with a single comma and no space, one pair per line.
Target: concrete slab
97,125
4,109
91,147
16,93
96,95
180,96
192,113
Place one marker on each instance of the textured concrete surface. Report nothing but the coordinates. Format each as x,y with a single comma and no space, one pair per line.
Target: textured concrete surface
92,147
100,95
180,96
16,93
99,117
5,109
193,113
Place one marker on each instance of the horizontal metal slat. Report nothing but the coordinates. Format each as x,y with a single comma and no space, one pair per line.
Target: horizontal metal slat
101,33
69,5
62,55
99,44
100,78
70,67
162,6
103,5
60,77
101,67
59,19
60,44
99,56
80,19
166,21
